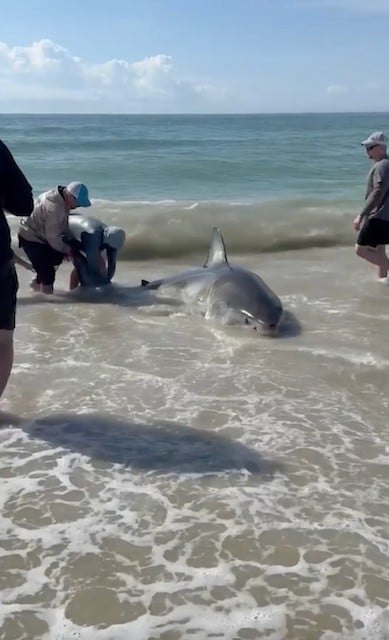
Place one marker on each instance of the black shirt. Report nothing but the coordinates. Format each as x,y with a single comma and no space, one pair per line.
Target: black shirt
15,197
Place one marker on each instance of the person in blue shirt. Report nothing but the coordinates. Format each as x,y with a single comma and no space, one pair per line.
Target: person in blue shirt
91,238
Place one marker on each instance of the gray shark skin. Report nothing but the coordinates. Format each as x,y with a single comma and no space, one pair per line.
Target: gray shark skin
227,291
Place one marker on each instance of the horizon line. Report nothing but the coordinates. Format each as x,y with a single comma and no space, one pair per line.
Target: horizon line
237,113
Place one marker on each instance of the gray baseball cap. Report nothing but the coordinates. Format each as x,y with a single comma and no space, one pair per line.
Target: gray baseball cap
376,138
114,237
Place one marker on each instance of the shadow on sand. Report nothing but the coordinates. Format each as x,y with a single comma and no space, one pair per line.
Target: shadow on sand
162,446
113,295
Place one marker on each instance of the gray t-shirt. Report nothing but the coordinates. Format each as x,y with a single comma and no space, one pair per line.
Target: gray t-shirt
377,191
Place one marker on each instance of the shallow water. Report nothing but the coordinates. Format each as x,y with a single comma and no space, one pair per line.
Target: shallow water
165,477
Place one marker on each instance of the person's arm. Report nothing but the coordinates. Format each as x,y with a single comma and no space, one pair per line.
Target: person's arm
16,192
74,279
111,263
91,245
55,229
376,195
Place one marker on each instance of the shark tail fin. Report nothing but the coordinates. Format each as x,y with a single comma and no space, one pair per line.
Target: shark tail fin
217,251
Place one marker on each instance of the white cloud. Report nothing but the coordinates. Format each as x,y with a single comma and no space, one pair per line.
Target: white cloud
43,57
337,90
45,70
154,74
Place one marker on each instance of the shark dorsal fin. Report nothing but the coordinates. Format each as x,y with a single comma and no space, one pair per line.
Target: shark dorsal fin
217,251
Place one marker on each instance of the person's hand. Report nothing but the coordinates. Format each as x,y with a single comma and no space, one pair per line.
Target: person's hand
357,223
72,253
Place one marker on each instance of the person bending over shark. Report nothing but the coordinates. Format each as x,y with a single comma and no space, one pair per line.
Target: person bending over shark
42,235
90,238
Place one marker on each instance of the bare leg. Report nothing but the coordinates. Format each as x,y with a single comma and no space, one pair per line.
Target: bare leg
376,256
47,288
6,357
382,269
74,280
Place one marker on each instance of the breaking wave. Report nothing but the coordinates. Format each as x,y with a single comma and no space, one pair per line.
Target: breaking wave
176,230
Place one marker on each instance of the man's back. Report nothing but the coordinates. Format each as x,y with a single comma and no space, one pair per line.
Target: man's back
48,222
379,176
15,197
80,225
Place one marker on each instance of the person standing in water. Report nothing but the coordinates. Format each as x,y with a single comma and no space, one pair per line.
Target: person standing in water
15,198
373,221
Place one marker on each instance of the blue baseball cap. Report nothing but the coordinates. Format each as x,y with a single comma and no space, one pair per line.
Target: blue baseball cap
80,193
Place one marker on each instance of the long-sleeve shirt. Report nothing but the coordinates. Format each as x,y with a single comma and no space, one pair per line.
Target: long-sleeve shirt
15,197
377,191
48,222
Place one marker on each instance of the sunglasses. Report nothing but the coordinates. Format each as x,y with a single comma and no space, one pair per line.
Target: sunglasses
372,146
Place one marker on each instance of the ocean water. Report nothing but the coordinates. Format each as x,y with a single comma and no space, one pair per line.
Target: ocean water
167,477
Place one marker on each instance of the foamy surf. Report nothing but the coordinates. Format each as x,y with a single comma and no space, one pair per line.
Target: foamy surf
180,479
163,477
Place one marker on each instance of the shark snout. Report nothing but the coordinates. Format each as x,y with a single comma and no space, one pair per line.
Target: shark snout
270,324
266,328
274,324
270,329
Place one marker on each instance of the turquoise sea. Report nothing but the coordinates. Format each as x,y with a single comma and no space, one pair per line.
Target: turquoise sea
232,158
166,477
287,179
265,172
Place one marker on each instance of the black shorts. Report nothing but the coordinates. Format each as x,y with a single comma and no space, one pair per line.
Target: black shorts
374,232
8,290
43,258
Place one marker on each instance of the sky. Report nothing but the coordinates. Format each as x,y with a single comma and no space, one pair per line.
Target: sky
194,56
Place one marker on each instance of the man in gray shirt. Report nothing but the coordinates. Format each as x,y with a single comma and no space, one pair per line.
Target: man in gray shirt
90,238
373,221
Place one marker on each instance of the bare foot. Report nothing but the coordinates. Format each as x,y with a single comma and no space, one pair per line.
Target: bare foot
34,285
47,288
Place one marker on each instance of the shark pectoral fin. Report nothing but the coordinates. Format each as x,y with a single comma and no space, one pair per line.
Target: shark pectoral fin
151,285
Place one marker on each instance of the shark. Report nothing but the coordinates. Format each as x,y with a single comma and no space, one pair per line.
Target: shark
227,292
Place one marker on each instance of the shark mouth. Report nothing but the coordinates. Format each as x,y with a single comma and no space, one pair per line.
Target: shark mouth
256,323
